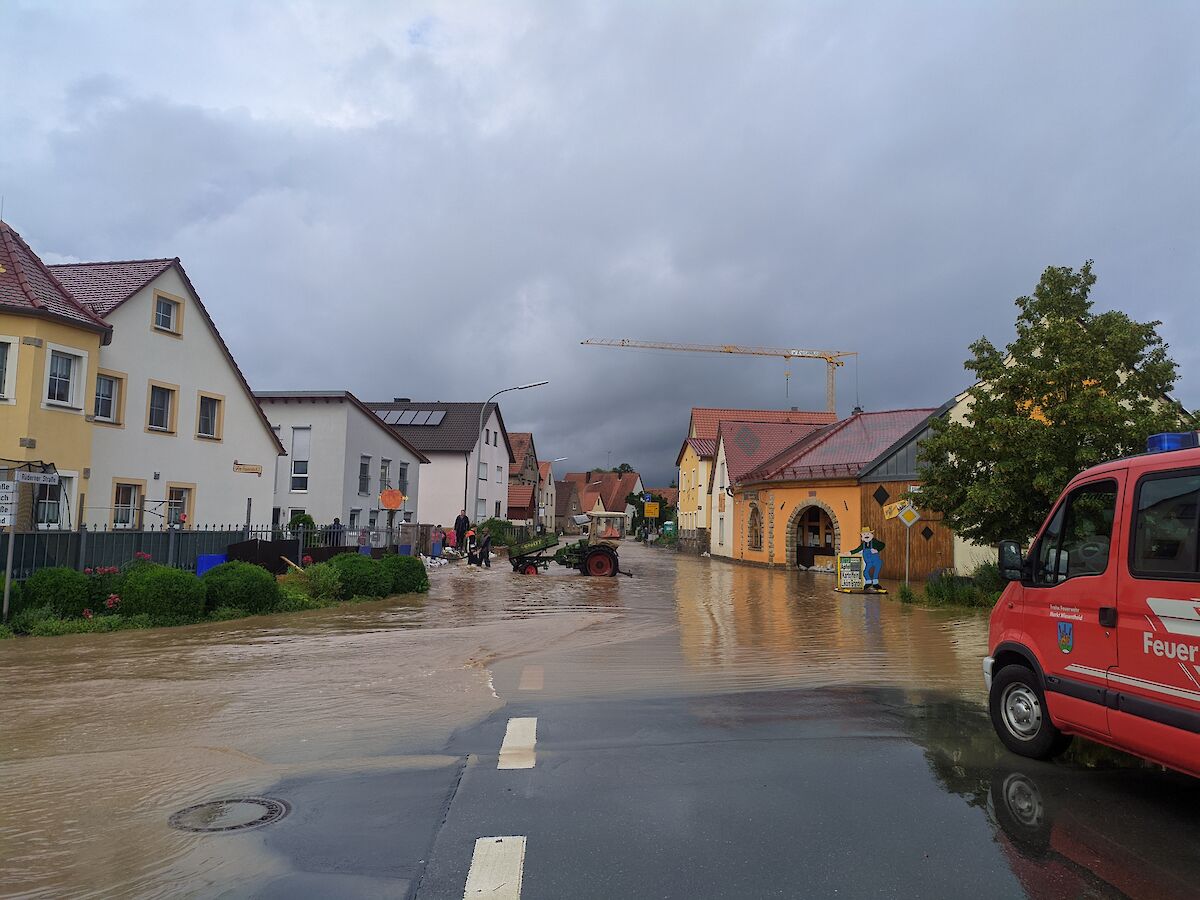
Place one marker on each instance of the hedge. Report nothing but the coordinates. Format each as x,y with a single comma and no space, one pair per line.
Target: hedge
323,581
240,585
64,590
168,596
407,573
361,576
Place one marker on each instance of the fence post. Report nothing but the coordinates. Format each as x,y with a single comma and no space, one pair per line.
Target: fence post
300,549
248,499
171,545
82,547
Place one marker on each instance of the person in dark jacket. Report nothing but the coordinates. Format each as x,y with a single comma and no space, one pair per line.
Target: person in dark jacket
485,550
461,524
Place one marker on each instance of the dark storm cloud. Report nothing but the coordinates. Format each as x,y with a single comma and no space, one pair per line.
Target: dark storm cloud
439,200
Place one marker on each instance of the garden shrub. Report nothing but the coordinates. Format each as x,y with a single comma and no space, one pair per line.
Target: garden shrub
948,589
323,581
243,585
361,598
907,595
305,521
361,575
987,578
23,620
225,613
168,596
103,582
6,633
407,573
293,599
64,590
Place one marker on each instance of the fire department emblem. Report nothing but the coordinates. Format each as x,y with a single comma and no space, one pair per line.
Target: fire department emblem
1066,636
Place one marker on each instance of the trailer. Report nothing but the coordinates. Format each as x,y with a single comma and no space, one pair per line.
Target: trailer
595,554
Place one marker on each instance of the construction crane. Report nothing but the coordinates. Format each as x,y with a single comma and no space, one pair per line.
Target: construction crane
833,358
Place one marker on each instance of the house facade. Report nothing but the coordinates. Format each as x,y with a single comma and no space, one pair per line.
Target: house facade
49,354
468,465
341,457
547,496
607,491
177,437
567,505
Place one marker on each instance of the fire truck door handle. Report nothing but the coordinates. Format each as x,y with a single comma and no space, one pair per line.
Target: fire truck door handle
1108,616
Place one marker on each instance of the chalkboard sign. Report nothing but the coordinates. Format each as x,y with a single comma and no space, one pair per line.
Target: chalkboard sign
850,573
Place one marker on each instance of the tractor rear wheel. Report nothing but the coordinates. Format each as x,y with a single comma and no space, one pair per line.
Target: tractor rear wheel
601,564
530,569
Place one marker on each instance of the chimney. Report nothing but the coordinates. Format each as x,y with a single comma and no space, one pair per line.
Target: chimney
857,411
402,399
795,409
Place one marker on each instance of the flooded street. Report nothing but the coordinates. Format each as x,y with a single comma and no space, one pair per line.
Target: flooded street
702,729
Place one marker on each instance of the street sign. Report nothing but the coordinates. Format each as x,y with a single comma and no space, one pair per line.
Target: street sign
646,498
851,574
651,511
37,477
6,518
892,510
909,516
7,487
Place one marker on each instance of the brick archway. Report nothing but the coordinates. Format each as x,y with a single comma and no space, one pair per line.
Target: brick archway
794,519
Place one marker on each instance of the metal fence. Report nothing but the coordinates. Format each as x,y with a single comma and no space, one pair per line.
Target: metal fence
91,548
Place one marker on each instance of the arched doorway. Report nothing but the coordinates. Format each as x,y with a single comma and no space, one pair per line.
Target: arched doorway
813,535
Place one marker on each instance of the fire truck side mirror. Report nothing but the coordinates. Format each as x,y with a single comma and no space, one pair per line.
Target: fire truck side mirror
1012,564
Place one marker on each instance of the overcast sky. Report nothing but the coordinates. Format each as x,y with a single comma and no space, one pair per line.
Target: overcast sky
436,200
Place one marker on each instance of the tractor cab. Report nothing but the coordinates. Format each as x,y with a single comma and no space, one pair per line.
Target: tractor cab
605,526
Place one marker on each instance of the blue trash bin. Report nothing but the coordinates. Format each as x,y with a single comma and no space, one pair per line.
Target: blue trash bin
206,561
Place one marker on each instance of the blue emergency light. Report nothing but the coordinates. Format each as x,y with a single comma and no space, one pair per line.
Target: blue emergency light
1172,440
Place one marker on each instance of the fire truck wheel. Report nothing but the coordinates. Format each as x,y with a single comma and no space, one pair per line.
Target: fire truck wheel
1020,717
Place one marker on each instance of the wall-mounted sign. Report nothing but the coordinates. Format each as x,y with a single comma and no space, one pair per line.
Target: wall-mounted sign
651,511
247,468
892,510
37,477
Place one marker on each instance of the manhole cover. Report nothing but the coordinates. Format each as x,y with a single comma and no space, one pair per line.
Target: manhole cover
233,814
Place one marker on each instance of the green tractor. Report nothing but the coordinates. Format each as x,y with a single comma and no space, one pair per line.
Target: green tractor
594,554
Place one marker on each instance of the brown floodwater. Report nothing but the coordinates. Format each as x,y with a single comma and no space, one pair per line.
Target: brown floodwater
104,736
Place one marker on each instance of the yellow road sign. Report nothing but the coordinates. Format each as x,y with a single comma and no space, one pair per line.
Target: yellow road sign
651,511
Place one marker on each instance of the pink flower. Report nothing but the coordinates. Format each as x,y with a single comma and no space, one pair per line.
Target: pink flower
112,602
87,571
307,560
87,613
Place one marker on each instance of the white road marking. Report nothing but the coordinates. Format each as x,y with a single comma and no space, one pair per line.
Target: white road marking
496,868
519,739
532,678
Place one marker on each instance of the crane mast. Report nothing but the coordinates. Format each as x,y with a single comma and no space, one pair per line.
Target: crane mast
833,358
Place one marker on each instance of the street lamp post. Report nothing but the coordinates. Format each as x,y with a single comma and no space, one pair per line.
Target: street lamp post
479,436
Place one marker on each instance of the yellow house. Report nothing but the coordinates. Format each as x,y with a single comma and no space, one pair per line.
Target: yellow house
696,456
49,351
803,507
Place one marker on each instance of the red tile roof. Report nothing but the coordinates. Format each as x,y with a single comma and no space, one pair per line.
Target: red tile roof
671,495
103,286
520,497
545,469
705,420
610,487
750,444
841,450
28,286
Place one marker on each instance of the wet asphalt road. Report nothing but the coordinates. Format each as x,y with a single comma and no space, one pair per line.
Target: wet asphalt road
702,730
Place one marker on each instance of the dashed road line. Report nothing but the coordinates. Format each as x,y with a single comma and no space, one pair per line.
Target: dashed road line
496,868
532,678
517,751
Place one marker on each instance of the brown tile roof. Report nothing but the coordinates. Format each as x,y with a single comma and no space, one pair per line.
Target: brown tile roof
333,397
521,443
705,448
610,487
29,286
705,420
841,450
750,444
458,431
545,469
103,286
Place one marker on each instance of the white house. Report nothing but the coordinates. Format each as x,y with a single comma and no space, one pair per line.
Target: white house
341,456
547,496
468,464
178,436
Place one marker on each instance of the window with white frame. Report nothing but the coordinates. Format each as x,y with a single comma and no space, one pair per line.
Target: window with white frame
162,400
385,474
63,371
402,477
364,475
126,501
482,471
6,390
166,314
373,518
480,510
50,504
487,435
499,474
208,422
355,517
179,500
107,398
497,509
301,442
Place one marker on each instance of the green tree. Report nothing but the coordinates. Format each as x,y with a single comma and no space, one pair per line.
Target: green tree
623,469
1075,388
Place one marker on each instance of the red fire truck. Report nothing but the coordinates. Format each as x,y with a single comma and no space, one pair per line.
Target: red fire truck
1098,630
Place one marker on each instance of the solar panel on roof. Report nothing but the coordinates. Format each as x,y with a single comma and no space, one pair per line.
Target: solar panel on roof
406,417
435,417
421,417
391,417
